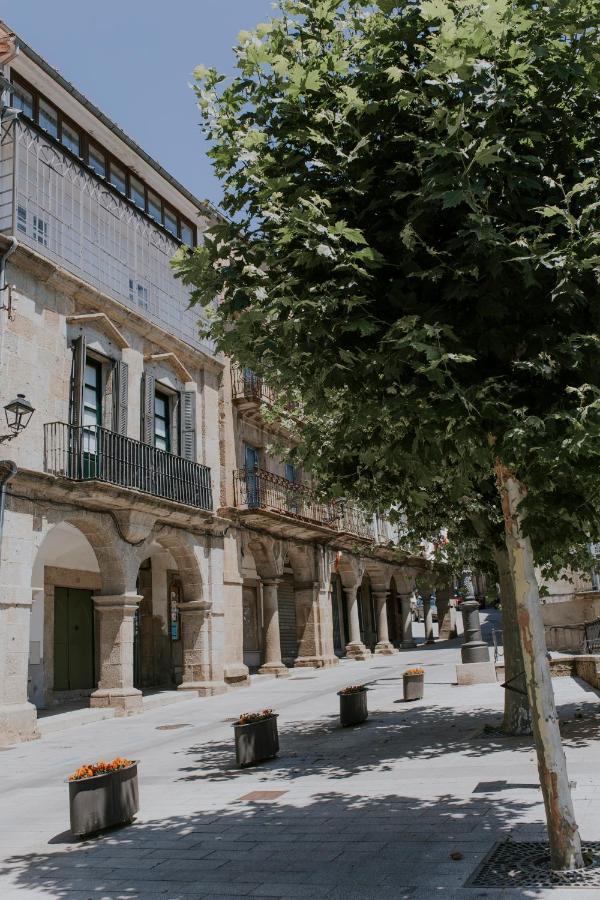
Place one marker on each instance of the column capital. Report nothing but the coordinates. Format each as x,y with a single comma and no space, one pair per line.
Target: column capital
117,601
271,582
194,606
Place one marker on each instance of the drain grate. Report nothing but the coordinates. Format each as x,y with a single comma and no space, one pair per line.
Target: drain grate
261,796
513,864
173,727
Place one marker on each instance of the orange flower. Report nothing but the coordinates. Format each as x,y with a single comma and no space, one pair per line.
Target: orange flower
100,768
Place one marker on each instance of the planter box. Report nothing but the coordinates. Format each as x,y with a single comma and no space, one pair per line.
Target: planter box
256,741
103,801
413,686
353,708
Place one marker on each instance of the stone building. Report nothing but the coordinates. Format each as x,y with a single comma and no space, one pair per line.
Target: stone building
147,539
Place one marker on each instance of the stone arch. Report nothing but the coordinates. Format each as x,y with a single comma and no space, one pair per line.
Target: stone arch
113,555
182,548
268,557
349,568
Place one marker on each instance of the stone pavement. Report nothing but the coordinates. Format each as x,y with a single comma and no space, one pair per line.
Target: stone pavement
367,812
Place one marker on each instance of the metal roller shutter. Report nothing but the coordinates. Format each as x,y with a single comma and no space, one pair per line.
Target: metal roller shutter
287,621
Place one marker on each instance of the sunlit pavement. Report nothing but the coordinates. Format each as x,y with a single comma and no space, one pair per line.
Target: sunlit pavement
371,811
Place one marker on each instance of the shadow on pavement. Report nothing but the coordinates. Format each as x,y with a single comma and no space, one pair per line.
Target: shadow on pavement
333,845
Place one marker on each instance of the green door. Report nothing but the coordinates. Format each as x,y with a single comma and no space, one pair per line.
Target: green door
73,640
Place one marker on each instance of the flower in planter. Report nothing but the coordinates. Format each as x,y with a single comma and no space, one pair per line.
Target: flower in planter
353,689
89,770
249,718
416,671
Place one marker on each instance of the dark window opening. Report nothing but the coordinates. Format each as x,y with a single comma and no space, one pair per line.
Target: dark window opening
162,422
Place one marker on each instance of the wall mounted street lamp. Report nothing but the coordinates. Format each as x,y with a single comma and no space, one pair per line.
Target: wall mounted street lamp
18,413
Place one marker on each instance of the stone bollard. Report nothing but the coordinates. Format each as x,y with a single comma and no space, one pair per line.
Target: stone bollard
474,649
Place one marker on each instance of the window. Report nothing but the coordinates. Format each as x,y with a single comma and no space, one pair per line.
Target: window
97,160
92,393
136,192
118,178
170,221
187,234
138,293
162,435
290,472
70,138
48,118
23,99
22,219
40,230
154,206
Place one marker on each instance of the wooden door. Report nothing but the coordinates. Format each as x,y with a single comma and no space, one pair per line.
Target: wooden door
73,640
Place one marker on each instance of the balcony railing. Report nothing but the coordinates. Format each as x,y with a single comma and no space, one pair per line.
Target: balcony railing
259,489
247,385
357,522
92,453
63,210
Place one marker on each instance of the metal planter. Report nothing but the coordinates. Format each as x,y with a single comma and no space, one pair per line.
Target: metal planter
256,741
353,707
103,800
413,686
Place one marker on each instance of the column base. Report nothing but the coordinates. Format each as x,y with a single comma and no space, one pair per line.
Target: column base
203,688
126,701
474,652
237,675
277,670
408,645
316,662
476,673
357,650
18,722
385,648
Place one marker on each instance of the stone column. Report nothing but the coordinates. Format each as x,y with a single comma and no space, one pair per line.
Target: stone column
446,612
273,664
384,646
355,649
408,642
315,647
18,717
198,673
114,628
474,649
428,619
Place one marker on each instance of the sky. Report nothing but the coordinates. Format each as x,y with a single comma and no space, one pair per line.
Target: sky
134,59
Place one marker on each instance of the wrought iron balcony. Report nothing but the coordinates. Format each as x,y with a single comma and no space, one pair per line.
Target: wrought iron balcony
355,521
97,454
258,489
249,388
59,207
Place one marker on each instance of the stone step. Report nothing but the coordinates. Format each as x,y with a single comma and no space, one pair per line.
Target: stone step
73,718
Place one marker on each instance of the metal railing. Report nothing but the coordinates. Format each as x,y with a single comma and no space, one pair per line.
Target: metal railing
565,638
592,637
258,489
356,521
247,385
86,453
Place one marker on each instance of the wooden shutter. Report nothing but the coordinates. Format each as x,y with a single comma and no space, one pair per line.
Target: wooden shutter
77,381
148,392
120,388
188,425
287,620
175,424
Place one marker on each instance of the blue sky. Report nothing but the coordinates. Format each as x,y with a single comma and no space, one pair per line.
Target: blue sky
134,59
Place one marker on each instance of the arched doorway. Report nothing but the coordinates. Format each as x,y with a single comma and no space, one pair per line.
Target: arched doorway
157,641
366,614
63,658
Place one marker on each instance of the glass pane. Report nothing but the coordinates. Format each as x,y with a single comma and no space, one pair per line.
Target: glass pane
48,118
117,177
91,375
90,397
70,138
23,101
160,428
136,192
97,161
187,234
160,443
154,206
171,221
160,406
90,417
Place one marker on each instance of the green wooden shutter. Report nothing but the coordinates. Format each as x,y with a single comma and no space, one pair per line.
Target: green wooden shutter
81,640
148,392
77,381
188,425
120,389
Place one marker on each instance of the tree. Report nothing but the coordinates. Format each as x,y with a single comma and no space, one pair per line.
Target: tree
412,243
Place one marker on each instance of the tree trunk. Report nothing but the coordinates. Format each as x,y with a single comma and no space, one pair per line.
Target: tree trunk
517,715
565,843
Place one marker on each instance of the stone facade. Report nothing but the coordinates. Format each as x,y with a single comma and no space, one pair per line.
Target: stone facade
139,547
